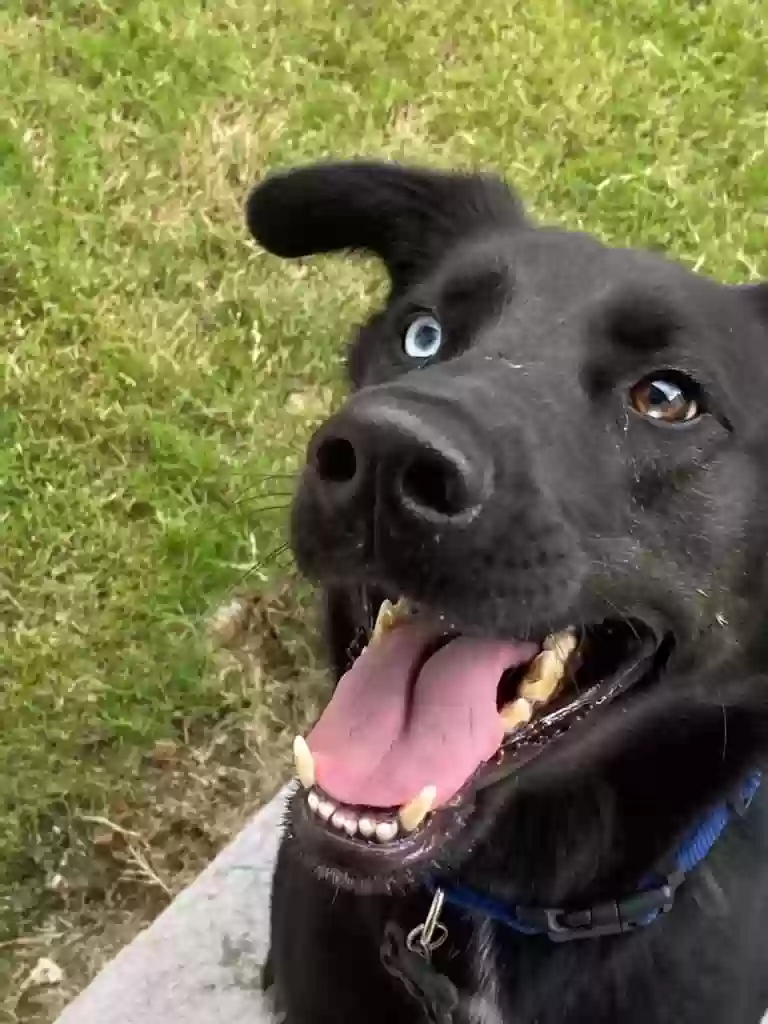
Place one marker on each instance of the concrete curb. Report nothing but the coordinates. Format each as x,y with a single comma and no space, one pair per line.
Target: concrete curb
200,961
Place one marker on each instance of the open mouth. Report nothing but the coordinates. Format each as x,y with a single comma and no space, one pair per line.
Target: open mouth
425,720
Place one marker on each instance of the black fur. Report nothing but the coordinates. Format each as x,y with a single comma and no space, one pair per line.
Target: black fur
548,501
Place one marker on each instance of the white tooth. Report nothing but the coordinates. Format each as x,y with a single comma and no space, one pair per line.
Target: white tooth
339,820
516,713
367,827
325,809
412,814
350,825
386,831
314,801
305,763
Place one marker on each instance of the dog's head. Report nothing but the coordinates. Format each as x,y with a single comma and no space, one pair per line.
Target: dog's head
553,466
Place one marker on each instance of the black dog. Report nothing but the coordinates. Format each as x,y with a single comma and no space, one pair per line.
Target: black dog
557,452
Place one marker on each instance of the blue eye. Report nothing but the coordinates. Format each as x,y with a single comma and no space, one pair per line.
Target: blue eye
423,338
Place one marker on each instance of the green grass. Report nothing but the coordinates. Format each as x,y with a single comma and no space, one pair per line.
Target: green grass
159,373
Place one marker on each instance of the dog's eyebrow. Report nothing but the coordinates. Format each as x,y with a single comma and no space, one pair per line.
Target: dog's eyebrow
641,320
478,289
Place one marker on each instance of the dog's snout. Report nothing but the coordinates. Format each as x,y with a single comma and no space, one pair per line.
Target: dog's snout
437,482
336,461
412,460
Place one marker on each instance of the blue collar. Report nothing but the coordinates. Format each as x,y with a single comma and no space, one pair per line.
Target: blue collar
653,898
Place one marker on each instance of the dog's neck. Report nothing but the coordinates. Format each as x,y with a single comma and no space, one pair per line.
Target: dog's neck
624,912
492,926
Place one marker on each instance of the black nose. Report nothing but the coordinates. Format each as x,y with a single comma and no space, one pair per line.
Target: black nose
402,454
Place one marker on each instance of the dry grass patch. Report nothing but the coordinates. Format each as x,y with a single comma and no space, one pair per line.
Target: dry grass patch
115,871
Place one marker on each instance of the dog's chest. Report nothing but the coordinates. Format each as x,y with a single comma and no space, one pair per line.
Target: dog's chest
483,1006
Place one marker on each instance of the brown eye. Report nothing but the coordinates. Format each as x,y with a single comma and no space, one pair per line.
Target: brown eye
667,399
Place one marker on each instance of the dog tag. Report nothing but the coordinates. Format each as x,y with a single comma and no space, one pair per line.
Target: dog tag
409,959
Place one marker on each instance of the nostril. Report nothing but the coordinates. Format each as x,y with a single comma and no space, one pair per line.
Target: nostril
335,460
433,483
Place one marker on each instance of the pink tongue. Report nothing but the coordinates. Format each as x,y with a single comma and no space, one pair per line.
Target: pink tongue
383,738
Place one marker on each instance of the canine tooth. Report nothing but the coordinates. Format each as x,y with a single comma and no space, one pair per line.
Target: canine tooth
516,713
389,616
386,831
326,809
412,814
383,620
314,801
547,668
563,644
305,763
350,825
542,678
367,828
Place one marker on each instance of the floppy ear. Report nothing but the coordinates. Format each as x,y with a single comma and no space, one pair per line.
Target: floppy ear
406,216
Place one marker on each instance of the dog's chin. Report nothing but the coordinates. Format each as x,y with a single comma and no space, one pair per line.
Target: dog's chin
365,869
557,688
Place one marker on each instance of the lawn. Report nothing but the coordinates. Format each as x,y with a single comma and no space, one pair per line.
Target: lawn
160,374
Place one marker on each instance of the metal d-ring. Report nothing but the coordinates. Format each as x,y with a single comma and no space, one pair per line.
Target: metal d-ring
425,938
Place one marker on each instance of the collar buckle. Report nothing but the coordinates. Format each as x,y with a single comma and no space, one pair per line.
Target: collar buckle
615,917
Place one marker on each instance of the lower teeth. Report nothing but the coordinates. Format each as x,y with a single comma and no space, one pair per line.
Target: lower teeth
386,831
344,820
367,828
338,820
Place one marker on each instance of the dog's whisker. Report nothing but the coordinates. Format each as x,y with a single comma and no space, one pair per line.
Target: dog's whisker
255,493
266,476
267,492
268,560
623,614
725,731
269,508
